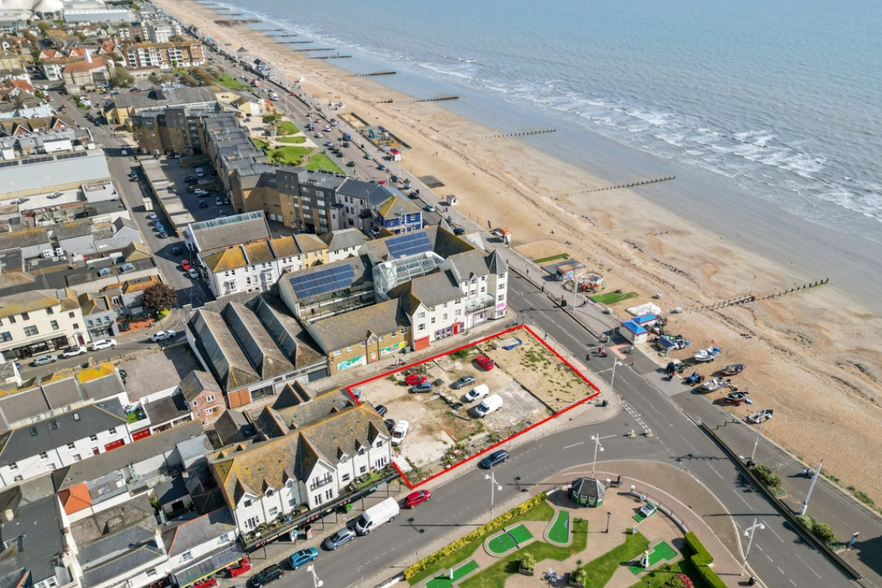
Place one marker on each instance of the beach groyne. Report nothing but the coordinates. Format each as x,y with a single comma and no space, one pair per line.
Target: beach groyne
437,99
522,134
375,73
332,57
751,298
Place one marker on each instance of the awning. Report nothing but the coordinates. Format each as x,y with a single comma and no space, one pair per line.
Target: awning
209,565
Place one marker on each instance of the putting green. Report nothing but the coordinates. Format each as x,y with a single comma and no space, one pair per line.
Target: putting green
509,539
560,530
444,581
662,551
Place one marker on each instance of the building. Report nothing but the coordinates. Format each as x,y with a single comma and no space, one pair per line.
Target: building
308,466
252,349
161,31
127,104
42,447
165,55
587,492
396,216
127,295
100,313
87,74
257,266
204,396
207,236
40,321
329,290
43,174
344,243
200,543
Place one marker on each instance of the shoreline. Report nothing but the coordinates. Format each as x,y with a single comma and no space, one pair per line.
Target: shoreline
813,355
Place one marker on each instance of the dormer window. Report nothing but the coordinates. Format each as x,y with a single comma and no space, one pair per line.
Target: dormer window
269,492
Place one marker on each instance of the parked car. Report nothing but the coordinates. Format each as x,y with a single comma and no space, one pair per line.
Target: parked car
415,498
226,199
477,393
414,379
193,273
185,264
339,538
103,344
463,382
390,424
459,231
350,164
400,432
218,201
162,336
44,360
191,179
303,556
74,351
430,208
381,410
162,235
152,216
485,362
203,204
494,459
422,388
201,192
267,575
176,250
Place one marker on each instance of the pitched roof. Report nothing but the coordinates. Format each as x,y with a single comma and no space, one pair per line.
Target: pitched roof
259,252
85,65
75,499
196,530
225,260
345,239
396,206
431,290
225,357
309,243
356,326
28,302
197,382
284,247
230,230
258,346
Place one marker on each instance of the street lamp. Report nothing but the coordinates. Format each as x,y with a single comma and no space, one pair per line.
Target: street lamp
812,487
612,380
759,432
748,532
597,445
315,580
493,488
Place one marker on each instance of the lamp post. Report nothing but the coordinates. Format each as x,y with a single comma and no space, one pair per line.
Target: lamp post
608,514
493,488
748,532
612,380
315,580
812,487
597,445
759,432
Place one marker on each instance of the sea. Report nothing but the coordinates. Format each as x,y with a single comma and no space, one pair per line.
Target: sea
783,99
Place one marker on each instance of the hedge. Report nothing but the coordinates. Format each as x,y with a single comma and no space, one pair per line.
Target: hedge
701,559
497,523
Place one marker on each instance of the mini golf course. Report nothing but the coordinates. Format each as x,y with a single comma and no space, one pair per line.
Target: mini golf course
509,539
662,551
560,530
445,581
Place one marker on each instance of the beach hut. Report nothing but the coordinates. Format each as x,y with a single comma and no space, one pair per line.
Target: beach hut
565,272
587,492
633,332
647,321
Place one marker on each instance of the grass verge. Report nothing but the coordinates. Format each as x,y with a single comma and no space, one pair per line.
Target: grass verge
298,139
288,128
552,258
320,161
612,297
289,155
602,569
230,83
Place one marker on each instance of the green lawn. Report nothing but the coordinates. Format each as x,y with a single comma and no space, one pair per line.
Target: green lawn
496,575
602,569
660,552
320,161
541,512
510,539
289,155
230,83
660,575
288,128
560,530
552,258
612,297
444,581
298,139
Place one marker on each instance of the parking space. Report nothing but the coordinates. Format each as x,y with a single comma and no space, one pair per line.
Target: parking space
202,196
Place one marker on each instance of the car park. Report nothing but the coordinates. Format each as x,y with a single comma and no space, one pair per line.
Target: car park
463,382
162,336
193,273
381,410
304,556
103,344
485,362
494,459
413,379
400,432
339,538
44,360
73,352
267,575
415,498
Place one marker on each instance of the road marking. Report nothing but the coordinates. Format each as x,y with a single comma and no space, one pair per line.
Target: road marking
792,582
769,527
742,498
780,570
717,473
576,444
808,566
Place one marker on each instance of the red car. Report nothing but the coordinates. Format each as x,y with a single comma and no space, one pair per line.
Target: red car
485,362
210,583
185,265
241,568
415,498
413,380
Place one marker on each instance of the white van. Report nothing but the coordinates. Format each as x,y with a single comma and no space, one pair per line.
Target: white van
377,515
477,393
490,404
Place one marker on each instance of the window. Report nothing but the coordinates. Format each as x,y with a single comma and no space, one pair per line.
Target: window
12,320
54,325
77,457
225,538
25,316
421,315
76,325
93,437
70,315
151,573
17,479
31,330
194,404
246,503
44,455
209,398
421,327
51,467
500,298
186,556
269,492
344,478
112,431
349,348
362,470
208,411
4,337
317,499
433,320
292,502
273,511
444,317
71,445
50,311
13,466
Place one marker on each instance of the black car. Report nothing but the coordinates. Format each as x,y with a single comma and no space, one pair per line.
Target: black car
346,143
191,179
463,381
459,231
267,575
203,204
390,424
495,458
176,250
381,410
351,164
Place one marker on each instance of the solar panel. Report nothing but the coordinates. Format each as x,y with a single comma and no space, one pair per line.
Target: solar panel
409,244
329,280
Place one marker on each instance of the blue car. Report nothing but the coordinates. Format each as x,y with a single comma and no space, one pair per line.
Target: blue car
304,556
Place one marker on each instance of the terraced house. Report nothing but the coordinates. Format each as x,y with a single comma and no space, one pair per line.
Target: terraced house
264,480
165,55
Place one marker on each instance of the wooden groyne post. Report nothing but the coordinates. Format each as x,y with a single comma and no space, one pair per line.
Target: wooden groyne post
751,298
376,73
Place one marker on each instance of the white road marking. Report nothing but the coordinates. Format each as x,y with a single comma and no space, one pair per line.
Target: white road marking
742,498
576,444
717,473
769,527
808,566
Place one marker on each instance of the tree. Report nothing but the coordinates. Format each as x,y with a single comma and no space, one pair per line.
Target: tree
168,78
159,297
121,78
271,118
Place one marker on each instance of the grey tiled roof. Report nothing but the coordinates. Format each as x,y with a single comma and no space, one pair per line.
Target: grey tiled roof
60,430
196,530
230,230
344,239
158,99
221,350
355,327
34,538
197,382
258,345
233,426
433,289
167,409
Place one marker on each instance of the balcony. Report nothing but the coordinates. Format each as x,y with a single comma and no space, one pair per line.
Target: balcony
315,485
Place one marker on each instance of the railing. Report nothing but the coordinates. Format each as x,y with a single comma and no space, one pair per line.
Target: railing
321,482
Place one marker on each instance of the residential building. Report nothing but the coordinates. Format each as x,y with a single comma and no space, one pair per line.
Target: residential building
201,542
87,74
127,104
344,243
396,216
127,295
328,290
100,314
204,396
308,466
40,321
171,130
10,60
161,31
165,55
42,447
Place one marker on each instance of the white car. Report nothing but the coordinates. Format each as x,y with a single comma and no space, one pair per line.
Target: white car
193,272
201,192
162,336
399,432
74,352
103,344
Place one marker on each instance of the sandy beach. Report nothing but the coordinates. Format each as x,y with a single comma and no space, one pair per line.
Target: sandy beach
813,356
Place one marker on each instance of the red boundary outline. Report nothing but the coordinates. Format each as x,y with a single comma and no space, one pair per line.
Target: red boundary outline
492,447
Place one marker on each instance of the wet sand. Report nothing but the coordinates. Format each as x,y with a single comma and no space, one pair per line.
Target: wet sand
813,356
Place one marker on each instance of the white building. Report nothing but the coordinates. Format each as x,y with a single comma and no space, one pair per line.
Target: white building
161,31
40,321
